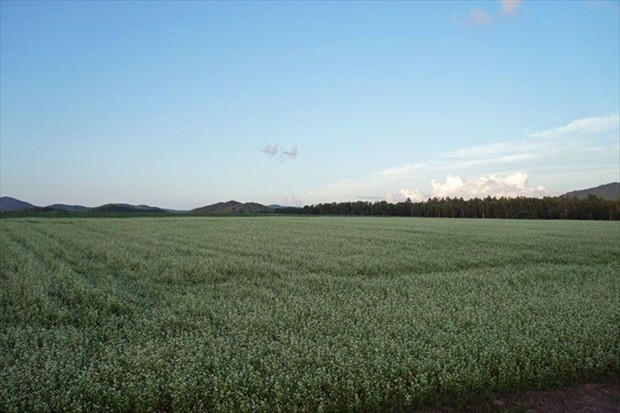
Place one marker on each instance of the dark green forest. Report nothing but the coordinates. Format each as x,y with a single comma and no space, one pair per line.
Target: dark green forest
591,208
562,207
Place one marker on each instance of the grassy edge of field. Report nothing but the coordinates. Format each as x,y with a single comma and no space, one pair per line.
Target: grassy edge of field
598,394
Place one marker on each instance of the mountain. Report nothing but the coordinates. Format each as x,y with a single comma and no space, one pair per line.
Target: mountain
126,208
63,210
8,204
69,208
607,191
232,207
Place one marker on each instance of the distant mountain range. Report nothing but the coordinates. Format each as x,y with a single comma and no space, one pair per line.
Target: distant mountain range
8,204
17,207
607,191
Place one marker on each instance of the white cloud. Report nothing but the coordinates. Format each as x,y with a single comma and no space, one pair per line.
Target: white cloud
480,150
363,188
412,194
585,126
511,185
290,200
480,17
510,6
402,195
591,142
465,162
403,171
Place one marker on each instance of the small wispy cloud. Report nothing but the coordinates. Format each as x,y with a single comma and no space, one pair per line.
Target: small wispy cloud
291,153
604,5
479,17
280,153
448,161
583,126
270,150
510,6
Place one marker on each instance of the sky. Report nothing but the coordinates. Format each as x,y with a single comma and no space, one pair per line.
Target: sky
184,104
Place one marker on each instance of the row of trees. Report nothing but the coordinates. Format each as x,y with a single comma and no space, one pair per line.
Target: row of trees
521,207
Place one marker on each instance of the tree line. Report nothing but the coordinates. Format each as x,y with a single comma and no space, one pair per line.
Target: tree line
591,208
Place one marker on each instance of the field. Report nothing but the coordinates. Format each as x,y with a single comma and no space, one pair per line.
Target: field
300,313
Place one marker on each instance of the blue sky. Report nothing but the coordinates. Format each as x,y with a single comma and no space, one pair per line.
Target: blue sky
176,104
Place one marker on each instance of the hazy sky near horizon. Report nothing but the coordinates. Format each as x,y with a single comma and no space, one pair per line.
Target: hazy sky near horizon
182,104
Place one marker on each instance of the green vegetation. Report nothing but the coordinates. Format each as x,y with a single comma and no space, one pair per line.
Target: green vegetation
560,207
588,207
232,208
610,191
300,313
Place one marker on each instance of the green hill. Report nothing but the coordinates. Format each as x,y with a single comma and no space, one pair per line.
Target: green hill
68,208
608,191
127,208
231,208
8,204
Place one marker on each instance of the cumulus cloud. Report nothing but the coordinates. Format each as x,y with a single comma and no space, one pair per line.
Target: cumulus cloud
403,194
414,195
585,126
496,185
290,200
580,153
510,6
511,185
278,151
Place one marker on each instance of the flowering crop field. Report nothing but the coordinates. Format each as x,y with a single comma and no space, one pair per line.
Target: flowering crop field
300,313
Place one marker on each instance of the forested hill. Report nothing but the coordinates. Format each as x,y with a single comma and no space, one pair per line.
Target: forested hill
607,191
232,208
8,204
527,208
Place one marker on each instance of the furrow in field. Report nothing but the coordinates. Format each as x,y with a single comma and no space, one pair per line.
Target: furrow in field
343,255
182,245
148,274
77,287
34,283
